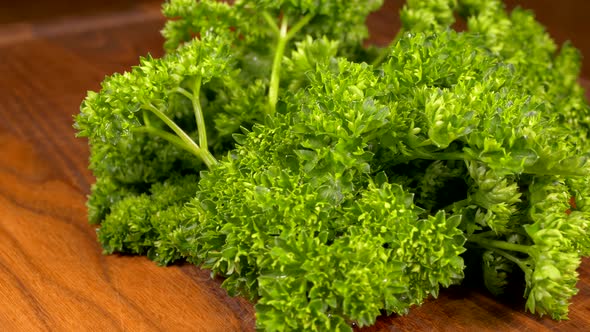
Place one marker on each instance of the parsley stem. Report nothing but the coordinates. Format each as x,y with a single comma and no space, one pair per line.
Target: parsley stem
165,135
205,155
449,156
302,22
382,55
273,92
146,119
199,114
184,93
457,205
499,247
195,99
283,38
418,154
482,234
208,159
271,22
512,258
558,169
500,244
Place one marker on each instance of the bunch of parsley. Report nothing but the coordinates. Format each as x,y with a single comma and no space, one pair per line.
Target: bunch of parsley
329,182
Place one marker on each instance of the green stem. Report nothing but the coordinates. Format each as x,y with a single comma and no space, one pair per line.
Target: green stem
302,22
202,130
184,93
146,119
377,61
523,266
273,92
195,99
556,170
283,38
417,154
165,135
458,204
448,156
205,156
271,22
495,244
499,247
473,237
208,159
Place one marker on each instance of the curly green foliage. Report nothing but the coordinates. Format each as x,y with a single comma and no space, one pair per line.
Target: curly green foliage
388,213
297,175
309,53
551,208
189,18
352,188
549,270
418,59
579,212
140,158
341,120
342,20
135,222
295,231
127,227
241,203
249,34
313,150
520,40
382,260
437,184
255,23
104,193
421,86
476,110
496,270
173,228
579,188
551,285
234,106
112,113
428,15
128,122
525,137
550,251
496,198
515,37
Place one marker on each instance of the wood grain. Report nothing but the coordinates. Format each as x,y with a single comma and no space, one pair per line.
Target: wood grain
53,276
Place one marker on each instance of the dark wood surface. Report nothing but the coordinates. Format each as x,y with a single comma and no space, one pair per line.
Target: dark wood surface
53,276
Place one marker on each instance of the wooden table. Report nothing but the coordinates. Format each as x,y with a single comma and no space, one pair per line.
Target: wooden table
52,273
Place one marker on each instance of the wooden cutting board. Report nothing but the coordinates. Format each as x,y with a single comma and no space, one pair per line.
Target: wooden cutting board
52,273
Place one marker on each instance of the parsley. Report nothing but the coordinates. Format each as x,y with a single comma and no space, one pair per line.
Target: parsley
329,182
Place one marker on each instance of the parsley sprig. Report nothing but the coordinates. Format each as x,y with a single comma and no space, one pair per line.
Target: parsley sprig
330,182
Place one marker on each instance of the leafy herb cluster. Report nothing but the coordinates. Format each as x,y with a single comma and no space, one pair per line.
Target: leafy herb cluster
329,182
